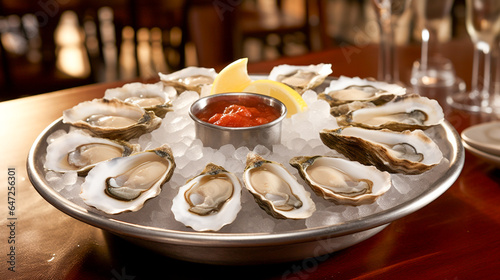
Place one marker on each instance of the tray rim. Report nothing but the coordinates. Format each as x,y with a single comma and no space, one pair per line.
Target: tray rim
215,239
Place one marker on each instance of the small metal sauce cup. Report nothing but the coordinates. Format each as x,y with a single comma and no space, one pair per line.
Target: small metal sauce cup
217,136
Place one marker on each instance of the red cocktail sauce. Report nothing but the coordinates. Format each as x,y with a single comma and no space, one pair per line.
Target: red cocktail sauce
238,115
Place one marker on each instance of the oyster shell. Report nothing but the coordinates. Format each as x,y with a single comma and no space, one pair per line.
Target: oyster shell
189,78
402,113
208,201
112,119
151,97
342,181
346,90
125,183
346,108
78,151
301,78
276,190
408,152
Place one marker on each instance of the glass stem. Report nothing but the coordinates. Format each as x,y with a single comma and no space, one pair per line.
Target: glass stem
430,42
424,57
474,93
485,93
482,87
387,61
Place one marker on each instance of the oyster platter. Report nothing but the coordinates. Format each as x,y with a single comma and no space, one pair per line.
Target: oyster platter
355,155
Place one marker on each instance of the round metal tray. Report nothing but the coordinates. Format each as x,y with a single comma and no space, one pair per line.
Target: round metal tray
251,248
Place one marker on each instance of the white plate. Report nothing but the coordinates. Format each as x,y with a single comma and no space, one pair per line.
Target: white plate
484,137
486,156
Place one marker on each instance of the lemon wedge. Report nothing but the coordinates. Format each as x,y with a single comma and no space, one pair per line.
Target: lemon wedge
233,78
291,98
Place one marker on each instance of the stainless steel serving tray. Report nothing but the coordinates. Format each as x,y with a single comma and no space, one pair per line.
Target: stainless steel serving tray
241,248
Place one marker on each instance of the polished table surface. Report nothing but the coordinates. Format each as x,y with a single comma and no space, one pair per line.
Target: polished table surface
454,237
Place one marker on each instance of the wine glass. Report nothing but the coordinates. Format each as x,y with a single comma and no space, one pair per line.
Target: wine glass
483,26
433,69
388,12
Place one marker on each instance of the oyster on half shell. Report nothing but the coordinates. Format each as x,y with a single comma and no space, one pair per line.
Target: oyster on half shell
402,113
151,97
342,181
301,78
346,90
78,151
189,78
208,201
125,183
114,119
408,152
276,190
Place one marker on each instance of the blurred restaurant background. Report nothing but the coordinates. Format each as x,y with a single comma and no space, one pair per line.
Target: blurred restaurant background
47,45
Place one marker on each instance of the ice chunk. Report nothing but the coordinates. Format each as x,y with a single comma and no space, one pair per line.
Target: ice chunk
52,176
367,209
187,132
387,200
185,100
283,226
323,218
280,150
69,178
351,213
297,144
181,162
208,154
309,96
227,150
219,159
401,185
241,153
315,142
179,149
54,180
262,151
195,152
258,223
176,180
234,165
189,171
319,109
145,141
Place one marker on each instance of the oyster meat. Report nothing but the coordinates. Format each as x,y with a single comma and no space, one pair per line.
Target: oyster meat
342,181
189,78
78,151
151,97
346,90
402,113
125,183
276,190
408,152
208,201
301,78
114,119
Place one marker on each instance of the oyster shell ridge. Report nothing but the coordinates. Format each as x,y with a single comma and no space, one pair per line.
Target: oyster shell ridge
371,153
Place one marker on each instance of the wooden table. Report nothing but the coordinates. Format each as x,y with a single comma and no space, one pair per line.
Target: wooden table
454,237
